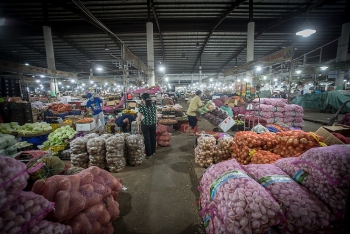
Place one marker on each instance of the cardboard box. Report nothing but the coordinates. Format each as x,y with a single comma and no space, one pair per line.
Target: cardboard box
330,139
85,126
111,103
132,105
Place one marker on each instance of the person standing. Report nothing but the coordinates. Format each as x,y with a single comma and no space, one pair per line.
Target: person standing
94,104
195,103
146,121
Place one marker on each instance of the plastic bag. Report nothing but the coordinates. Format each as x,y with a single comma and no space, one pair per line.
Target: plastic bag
115,153
304,212
259,129
96,148
136,149
28,209
202,110
75,193
227,198
228,110
210,105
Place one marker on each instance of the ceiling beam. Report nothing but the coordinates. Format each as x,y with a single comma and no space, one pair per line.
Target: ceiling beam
39,51
157,22
222,17
302,10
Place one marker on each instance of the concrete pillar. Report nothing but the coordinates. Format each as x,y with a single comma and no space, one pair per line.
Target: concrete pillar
150,52
250,41
200,74
50,57
192,78
342,53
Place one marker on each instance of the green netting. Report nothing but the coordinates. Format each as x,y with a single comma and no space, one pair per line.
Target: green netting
334,99
308,100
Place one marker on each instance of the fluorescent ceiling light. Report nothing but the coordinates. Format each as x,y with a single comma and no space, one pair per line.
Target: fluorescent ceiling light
27,64
323,68
91,81
37,81
59,83
258,68
264,77
42,76
166,78
161,68
298,72
99,68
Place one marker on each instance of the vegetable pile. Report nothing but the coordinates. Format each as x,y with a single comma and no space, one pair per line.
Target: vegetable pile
263,157
115,153
136,149
27,210
33,128
58,108
294,143
7,128
325,172
223,149
232,202
60,136
96,148
205,151
7,144
86,120
74,193
304,212
79,156
244,142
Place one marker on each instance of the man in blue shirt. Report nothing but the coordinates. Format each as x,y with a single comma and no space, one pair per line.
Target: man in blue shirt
94,104
124,122
48,115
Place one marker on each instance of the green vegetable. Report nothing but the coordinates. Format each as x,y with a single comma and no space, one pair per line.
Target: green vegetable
60,136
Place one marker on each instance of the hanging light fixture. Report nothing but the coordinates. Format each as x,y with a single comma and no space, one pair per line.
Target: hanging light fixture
306,29
106,47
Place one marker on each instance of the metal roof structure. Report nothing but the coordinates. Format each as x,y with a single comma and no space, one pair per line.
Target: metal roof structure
187,33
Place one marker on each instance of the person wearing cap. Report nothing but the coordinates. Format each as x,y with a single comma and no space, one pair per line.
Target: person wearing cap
94,104
195,103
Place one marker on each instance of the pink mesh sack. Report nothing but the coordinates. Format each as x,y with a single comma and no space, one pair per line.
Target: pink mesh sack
275,101
75,193
13,179
48,227
293,114
28,209
228,204
95,218
303,210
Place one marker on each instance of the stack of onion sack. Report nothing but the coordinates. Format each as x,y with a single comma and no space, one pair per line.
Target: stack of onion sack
86,201
163,137
294,143
263,157
244,142
134,127
293,115
206,151
304,212
325,172
21,211
136,149
115,153
232,202
79,156
96,148
269,114
223,149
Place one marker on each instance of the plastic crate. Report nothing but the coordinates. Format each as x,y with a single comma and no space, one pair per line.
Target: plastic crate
237,127
37,140
54,126
75,112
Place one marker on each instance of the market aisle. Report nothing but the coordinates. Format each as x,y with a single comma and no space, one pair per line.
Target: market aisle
161,193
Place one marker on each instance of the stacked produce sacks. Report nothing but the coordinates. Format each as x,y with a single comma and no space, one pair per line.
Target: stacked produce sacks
293,115
115,153
136,149
163,137
96,148
232,202
23,212
86,201
206,150
79,156
325,172
223,149
304,212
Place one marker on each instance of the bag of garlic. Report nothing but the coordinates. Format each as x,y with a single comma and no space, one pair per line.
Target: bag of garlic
136,149
115,153
223,149
206,151
79,156
232,202
96,148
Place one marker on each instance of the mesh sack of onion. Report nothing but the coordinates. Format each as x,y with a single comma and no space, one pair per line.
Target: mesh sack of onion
232,202
96,148
205,152
304,212
223,149
136,149
115,153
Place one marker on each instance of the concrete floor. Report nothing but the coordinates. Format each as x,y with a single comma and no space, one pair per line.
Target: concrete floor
161,194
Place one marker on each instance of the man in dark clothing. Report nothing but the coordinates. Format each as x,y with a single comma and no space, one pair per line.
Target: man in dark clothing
48,115
123,122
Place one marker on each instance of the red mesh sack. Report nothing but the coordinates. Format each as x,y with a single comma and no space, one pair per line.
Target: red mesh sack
160,129
163,143
96,218
30,154
74,193
48,227
165,136
13,179
27,209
